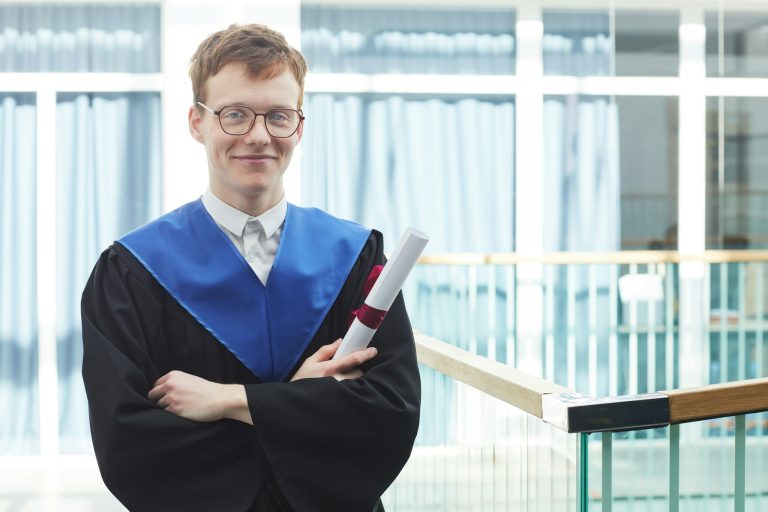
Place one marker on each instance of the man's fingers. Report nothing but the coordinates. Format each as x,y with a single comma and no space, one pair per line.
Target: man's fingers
352,374
326,352
354,359
162,379
156,392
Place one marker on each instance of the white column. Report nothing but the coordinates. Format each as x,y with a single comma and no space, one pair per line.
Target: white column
529,203
48,379
691,198
185,25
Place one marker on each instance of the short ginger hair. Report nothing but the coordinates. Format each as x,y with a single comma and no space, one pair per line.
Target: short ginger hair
264,52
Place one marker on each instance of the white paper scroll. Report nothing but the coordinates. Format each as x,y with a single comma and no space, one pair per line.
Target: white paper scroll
385,289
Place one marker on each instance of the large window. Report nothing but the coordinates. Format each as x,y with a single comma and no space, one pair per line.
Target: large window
80,166
408,40
392,158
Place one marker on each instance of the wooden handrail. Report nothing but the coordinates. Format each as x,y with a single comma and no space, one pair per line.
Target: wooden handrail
577,413
717,400
592,258
504,382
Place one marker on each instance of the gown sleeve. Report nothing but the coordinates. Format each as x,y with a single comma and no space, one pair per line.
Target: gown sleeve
338,445
150,459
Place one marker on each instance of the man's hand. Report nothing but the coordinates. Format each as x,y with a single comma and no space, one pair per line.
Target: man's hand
320,363
198,399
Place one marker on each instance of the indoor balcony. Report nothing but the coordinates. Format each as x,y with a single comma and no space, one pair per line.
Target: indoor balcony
596,325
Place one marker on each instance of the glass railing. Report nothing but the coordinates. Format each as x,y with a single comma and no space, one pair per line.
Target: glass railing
518,442
493,452
686,465
602,324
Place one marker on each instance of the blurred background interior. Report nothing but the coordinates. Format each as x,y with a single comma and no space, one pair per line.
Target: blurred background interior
592,128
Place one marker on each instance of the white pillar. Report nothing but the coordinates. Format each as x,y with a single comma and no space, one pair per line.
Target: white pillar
693,350
529,179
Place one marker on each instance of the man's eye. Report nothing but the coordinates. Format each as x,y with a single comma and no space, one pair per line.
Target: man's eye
278,116
234,115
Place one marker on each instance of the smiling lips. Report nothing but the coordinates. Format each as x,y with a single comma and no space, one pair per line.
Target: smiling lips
255,157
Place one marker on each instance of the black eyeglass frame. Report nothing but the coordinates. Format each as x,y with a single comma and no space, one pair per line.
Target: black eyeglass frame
253,121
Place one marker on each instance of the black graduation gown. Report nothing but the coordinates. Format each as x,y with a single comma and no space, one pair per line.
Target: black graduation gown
316,444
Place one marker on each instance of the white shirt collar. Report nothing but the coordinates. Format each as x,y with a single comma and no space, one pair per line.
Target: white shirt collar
234,220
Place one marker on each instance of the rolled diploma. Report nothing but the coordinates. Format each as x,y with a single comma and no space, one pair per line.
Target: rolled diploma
385,289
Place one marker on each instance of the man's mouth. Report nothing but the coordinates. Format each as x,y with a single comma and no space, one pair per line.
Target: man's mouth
255,157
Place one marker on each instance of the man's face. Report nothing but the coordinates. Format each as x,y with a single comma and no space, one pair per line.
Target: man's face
244,169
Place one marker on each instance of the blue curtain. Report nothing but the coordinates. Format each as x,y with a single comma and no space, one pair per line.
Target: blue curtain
79,38
19,428
444,166
576,43
581,173
108,183
581,179
408,39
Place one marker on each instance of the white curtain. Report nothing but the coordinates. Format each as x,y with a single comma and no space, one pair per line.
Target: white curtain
18,276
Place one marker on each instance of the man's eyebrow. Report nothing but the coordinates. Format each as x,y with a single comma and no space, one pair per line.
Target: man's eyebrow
271,107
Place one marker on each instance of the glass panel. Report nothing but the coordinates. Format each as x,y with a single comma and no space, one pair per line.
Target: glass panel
648,142
581,43
80,38
19,427
737,184
647,43
639,461
444,165
483,454
707,465
581,174
606,330
737,327
610,172
756,485
475,314
419,40
645,477
108,183
576,43
737,44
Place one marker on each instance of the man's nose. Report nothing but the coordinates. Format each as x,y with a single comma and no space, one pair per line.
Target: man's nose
258,133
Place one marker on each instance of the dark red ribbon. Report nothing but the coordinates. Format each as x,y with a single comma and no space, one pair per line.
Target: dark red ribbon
370,317
369,282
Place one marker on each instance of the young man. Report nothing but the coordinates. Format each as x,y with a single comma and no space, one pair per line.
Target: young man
208,333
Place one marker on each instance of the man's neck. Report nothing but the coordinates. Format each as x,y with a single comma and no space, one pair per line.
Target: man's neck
252,205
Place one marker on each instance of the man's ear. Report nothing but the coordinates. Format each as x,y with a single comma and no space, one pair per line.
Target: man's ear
195,121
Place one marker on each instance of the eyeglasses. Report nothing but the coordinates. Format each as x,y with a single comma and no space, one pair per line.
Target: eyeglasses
239,120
